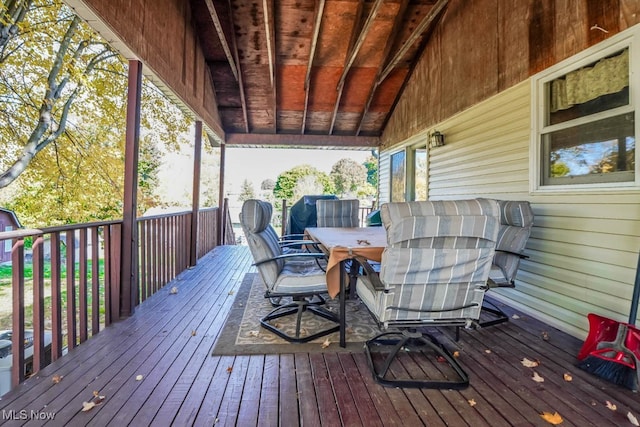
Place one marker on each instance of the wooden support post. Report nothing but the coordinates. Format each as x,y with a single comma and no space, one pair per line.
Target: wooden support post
197,156
283,220
17,328
221,195
129,288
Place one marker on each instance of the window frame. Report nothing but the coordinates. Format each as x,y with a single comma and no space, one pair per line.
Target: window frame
540,103
404,153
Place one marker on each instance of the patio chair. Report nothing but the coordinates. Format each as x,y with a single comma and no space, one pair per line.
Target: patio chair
285,275
341,213
516,220
433,272
338,213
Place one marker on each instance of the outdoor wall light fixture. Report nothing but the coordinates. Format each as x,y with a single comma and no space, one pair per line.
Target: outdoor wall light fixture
436,139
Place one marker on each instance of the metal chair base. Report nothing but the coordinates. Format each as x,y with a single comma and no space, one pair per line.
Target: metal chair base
298,307
499,315
407,339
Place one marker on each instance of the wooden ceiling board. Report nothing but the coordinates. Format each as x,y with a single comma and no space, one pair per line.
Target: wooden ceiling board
290,80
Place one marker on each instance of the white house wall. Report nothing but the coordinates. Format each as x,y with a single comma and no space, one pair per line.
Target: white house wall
584,247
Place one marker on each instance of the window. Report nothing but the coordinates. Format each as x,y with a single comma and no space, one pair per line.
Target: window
584,120
398,166
420,174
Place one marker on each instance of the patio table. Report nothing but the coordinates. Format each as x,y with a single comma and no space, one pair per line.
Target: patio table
341,244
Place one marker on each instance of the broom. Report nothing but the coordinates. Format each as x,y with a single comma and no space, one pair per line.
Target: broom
617,360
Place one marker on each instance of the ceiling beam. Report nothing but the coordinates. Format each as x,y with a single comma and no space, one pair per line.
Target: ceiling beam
243,98
269,23
289,140
354,47
223,39
317,22
397,24
422,27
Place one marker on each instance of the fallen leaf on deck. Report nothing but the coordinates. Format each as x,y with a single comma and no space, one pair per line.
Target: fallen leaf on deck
515,316
57,378
554,418
193,333
632,418
441,359
537,378
139,377
456,354
97,400
87,406
611,406
545,335
529,363
231,292
487,351
349,330
567,377
253,333
229,369
174,290
326,343
472,402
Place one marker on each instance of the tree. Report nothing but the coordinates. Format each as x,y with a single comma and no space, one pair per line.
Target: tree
372,171
267,184
287,183
348,176
247,192
63,103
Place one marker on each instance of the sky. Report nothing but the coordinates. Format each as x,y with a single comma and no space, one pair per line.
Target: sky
258,164
253,164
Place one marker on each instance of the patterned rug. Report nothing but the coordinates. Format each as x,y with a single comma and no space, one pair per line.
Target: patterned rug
242,333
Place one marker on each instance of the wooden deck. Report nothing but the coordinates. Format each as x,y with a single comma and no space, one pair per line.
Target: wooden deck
169,341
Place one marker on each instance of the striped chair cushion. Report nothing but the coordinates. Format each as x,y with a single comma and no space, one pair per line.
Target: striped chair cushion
437,261
338,213
516,220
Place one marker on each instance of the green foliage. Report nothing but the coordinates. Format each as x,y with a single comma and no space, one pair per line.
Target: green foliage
300,180
372,171
63,103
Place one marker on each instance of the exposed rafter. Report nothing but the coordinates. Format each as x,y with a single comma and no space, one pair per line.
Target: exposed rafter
417,33
397,23
243,99
317,22
223,39
351,56
269,24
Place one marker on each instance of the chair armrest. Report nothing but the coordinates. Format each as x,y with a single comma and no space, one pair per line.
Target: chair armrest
373,275
522,256
312,255
292,236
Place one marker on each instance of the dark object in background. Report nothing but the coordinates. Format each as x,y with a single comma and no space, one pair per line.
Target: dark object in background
373,219
303,214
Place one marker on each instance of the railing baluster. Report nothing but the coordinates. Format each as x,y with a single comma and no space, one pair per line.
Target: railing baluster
95,281
38,303
56,298
142,274
71,289
17,336
82,286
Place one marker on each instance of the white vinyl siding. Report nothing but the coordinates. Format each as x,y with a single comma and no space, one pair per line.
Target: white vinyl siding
584,247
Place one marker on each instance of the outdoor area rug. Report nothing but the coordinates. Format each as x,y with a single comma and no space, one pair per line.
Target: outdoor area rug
242,333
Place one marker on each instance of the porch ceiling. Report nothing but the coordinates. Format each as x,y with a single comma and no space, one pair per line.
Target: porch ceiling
312,69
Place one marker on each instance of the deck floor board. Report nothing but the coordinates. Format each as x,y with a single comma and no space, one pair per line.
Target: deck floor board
169,341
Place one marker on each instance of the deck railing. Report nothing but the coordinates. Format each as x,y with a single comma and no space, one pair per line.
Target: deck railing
65,281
